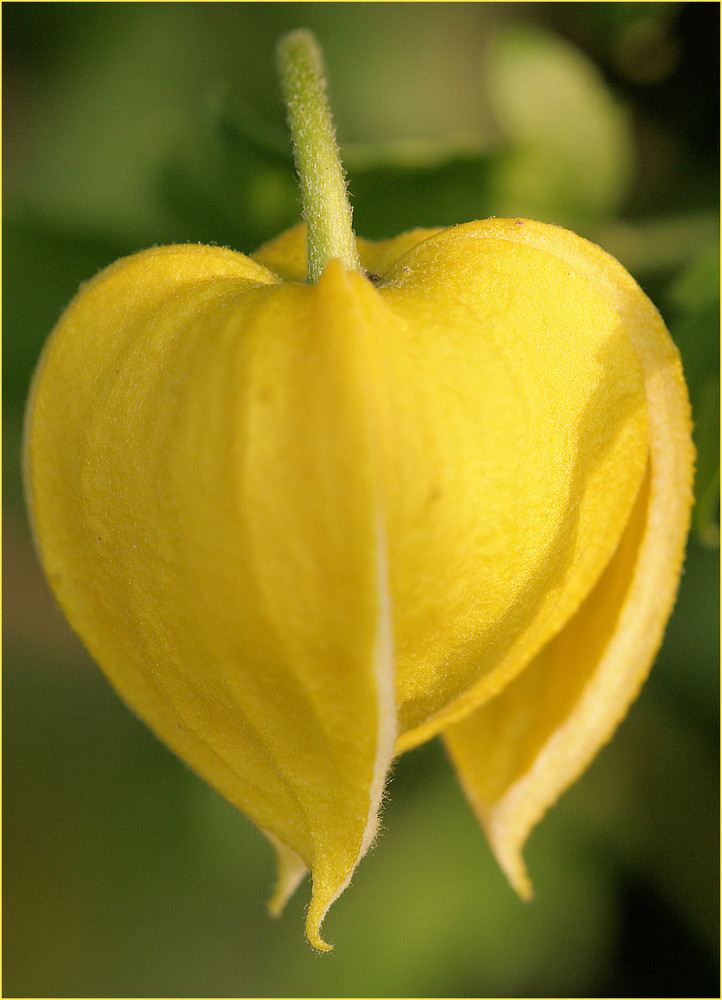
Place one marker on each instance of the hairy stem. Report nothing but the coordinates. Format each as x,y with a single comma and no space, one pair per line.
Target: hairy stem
326,207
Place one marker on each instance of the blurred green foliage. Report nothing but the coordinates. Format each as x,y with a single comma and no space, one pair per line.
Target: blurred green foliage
127,125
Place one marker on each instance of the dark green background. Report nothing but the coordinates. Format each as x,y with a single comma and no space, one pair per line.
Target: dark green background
127,125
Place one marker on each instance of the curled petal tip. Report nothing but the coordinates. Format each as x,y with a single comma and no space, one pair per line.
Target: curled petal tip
314,918
316,941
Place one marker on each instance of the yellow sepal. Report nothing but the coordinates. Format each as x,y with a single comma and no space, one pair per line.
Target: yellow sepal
521,750
201,470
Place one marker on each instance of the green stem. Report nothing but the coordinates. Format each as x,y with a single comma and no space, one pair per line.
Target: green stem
326,207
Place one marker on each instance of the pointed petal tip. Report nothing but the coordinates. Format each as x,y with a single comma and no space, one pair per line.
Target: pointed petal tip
506,843
512,864
291,870
281,895
314,918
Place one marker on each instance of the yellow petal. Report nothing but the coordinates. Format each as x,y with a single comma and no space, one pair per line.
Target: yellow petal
521,432
517,753
201,474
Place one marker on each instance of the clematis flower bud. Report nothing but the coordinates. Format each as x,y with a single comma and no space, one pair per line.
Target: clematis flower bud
303,528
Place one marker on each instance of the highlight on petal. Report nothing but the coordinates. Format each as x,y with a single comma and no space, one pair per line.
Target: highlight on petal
517,753
202,469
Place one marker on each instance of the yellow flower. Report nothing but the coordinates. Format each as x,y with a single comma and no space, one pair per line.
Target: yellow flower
303,528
